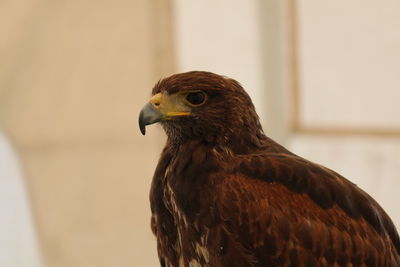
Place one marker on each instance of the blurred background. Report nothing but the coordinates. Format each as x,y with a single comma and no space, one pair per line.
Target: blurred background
75,171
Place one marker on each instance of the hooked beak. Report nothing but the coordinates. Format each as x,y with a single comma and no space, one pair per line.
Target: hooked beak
148,115
161,107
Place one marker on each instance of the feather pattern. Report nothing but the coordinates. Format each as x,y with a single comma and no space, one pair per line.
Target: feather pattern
224,194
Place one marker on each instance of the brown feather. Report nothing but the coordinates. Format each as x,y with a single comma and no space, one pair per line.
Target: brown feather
224,194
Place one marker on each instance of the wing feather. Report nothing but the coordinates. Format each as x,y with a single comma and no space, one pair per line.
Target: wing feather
288,210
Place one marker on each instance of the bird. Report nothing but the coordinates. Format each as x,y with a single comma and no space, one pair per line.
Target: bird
225,194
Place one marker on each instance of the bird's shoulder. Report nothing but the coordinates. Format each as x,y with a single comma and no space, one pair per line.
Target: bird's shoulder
285,186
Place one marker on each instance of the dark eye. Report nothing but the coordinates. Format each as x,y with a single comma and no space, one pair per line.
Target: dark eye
196,98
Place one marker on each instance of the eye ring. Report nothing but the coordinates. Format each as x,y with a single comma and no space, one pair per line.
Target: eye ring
196,98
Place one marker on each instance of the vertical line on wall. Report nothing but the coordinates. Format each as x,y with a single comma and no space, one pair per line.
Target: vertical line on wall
294,65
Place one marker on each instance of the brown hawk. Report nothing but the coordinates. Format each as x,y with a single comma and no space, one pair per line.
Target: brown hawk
224,194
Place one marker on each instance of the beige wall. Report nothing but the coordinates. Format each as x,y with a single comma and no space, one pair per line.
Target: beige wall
350,56
348,115
73,76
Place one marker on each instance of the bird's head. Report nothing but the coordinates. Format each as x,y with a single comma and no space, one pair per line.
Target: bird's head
204,106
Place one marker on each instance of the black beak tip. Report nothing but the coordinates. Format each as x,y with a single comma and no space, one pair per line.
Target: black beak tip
143,129
142,123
